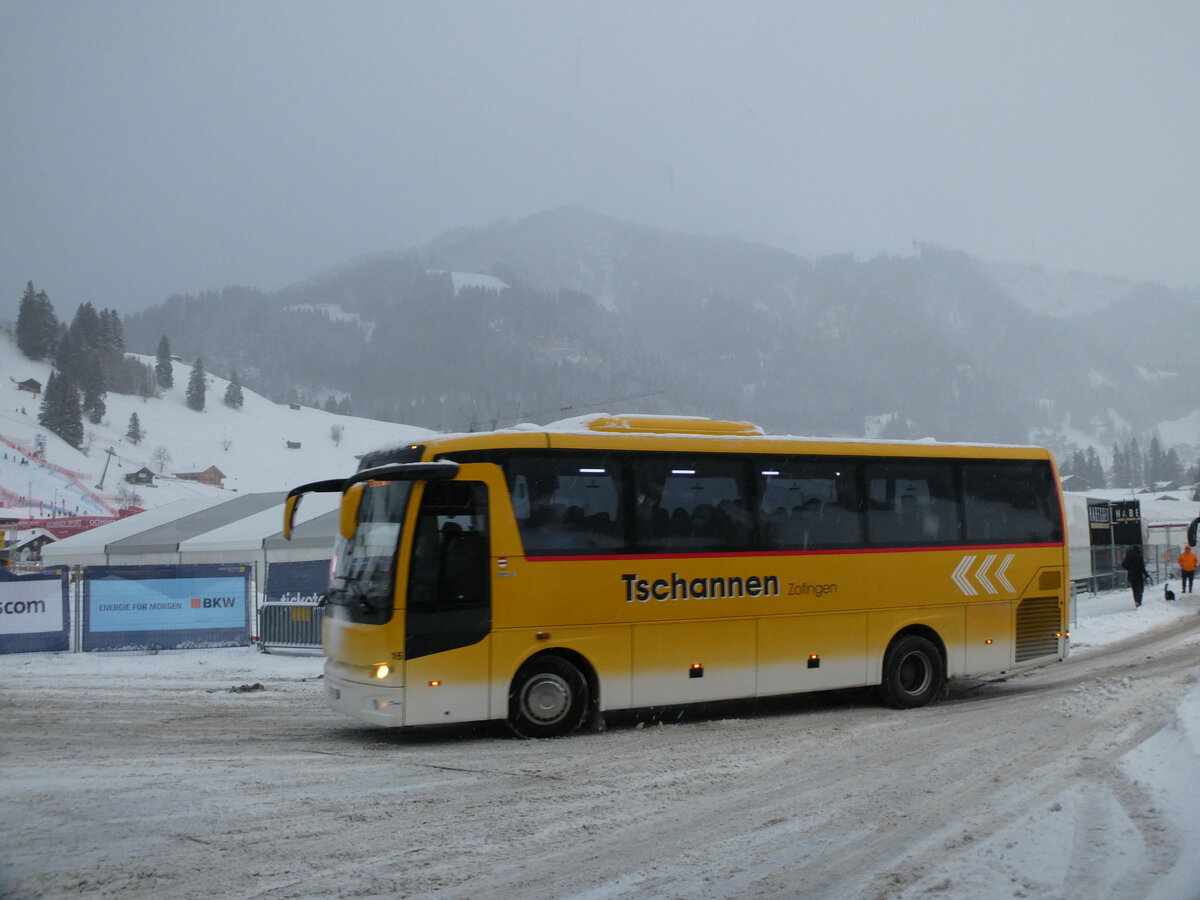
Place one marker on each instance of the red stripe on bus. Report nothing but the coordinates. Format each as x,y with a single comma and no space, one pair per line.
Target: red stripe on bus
957,548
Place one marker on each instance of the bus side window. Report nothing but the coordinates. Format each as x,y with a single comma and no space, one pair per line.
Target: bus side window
520,497
808,503
911,503
566,503
691,504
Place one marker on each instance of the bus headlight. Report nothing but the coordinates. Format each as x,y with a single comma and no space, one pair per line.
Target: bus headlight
383,670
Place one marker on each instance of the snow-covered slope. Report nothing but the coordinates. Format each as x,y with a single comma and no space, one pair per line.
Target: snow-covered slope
1060,294
249,445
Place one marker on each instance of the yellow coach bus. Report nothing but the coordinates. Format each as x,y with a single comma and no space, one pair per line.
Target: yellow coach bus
545,576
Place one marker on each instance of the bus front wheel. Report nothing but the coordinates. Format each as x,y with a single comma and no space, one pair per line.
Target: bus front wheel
913,672
548,698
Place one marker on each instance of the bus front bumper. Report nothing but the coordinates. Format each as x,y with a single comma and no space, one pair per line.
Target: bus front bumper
377,704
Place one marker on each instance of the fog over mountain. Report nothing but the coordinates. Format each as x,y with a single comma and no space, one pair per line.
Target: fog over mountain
567,311
165,148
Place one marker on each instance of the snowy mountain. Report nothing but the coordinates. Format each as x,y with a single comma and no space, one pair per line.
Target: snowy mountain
249,445
1061,294
568,309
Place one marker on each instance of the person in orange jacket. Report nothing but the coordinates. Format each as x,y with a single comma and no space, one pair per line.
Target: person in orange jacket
1187,569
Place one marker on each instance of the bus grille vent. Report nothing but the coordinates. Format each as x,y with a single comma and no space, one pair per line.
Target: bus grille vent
1038,625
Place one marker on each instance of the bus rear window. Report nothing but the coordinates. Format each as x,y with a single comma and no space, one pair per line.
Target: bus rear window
1011,502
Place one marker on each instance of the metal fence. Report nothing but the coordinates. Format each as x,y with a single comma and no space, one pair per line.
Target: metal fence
290,627
1162,562
1107,574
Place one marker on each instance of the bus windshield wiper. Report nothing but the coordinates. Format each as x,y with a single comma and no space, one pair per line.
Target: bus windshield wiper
353,588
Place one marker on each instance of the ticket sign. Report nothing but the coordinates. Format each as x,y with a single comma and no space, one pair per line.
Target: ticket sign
34,612
297,582
165,607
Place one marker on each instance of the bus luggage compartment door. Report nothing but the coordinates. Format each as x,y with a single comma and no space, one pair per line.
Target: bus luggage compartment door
690,662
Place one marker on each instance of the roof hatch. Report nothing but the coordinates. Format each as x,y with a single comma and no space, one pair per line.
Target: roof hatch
671,425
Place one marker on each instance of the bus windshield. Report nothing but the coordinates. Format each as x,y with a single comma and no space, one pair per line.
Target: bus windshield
364,566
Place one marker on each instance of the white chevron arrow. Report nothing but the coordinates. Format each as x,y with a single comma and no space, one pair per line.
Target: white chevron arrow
981,573
1000,573
960,576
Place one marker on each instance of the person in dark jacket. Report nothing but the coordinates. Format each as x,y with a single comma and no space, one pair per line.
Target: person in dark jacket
1135,567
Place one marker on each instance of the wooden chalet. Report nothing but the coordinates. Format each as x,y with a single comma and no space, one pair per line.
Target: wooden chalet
212,475
141,476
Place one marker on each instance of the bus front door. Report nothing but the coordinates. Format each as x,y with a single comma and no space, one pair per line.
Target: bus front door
448,614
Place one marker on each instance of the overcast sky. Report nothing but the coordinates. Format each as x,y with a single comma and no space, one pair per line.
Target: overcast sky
152,148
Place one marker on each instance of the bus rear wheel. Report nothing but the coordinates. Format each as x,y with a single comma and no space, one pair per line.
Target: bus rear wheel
913,672
548,698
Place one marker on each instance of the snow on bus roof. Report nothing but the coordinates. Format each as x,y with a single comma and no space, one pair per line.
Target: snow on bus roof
585,424
692,427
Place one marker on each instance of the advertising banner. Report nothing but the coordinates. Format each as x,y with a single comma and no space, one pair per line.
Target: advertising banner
62,527
34,611
165,607
297,582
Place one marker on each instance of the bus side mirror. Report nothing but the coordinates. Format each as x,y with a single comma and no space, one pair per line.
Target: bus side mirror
348,521
292,503
289,515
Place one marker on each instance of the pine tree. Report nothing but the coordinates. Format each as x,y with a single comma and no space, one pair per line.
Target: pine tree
1173,467
1136,462
1120,469
61,412
94,390
112,336
37,325
134,433
65,357
1156,461
1192,475
1074,464
1095,468
233,393
29,333
48,321
162,366
48,411
72,415
117,330
197,387
86,328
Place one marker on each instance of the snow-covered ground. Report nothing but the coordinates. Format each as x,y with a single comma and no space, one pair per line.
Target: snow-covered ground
249,445
173,775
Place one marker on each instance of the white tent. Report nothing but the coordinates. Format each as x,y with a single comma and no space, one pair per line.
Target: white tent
258,537
89,548
1165,519
242,529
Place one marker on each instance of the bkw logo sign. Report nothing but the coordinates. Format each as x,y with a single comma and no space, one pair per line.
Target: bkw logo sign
213,602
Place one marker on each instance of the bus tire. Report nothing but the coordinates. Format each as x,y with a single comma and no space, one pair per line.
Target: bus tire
548,698
913,672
